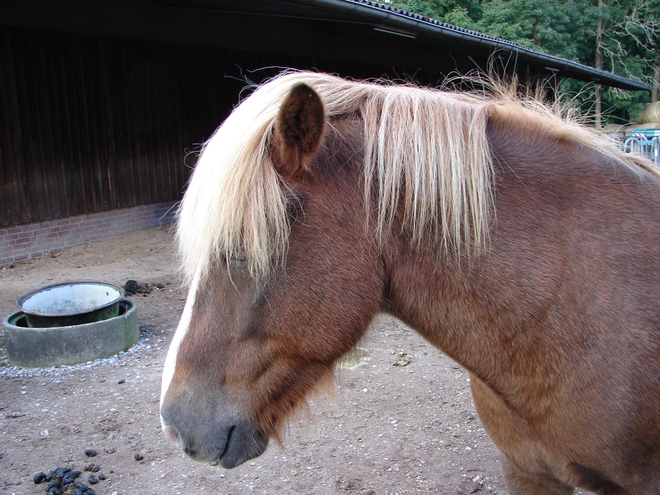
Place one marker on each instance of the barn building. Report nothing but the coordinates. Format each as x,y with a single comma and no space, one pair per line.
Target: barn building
103,103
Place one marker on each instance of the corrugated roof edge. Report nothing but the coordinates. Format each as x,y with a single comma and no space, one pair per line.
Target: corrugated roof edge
433,27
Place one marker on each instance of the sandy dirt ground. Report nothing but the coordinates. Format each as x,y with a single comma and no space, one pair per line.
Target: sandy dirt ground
400,420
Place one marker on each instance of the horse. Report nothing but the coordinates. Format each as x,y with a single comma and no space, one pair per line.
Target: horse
522,244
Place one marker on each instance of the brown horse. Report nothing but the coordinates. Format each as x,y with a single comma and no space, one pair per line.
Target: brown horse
524,246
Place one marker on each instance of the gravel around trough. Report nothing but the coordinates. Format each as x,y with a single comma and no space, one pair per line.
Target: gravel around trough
400,419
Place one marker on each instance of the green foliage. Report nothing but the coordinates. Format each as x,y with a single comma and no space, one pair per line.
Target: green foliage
460,16
630,41
467,11
546,25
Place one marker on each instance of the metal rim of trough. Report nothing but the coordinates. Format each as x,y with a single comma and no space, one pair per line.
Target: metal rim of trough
70,303
67,345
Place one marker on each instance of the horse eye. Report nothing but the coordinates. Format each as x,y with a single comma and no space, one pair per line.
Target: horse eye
294,209
233,262
237,261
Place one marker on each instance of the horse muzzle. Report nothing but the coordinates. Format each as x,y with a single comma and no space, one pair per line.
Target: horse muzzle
229,443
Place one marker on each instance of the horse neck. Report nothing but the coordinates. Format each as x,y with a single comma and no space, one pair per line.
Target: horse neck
574,236
442,300
509,301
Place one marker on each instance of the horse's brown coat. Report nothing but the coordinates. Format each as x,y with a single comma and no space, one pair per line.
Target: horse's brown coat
556,319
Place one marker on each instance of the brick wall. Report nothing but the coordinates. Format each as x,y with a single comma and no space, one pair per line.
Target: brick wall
32,240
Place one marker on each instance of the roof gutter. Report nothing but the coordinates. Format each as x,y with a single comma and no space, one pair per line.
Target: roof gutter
383,16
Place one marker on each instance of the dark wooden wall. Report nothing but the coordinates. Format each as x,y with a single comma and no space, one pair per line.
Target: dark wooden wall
92,123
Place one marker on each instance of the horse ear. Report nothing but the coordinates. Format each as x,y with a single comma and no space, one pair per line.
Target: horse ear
298,131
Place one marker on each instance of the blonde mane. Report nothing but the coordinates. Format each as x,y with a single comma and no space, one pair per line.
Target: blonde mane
427,148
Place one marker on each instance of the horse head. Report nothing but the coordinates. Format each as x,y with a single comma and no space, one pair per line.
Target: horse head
251,344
